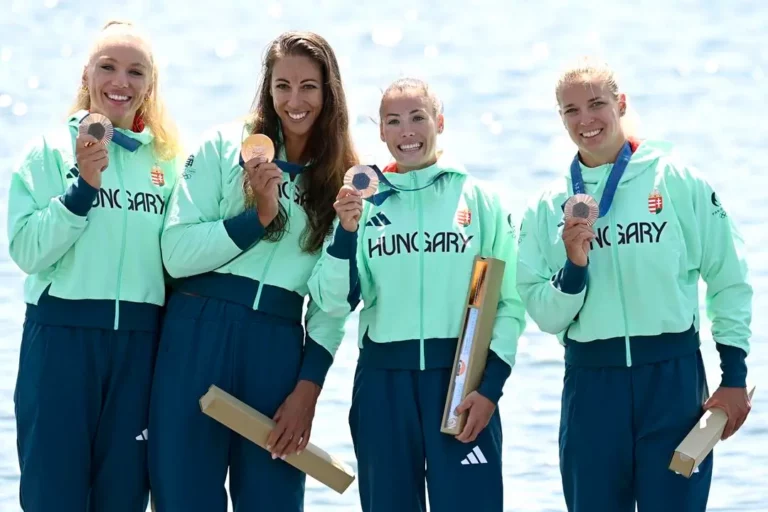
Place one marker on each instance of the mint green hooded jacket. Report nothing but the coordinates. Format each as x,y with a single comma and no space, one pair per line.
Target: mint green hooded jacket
410,262
637,300
212,246
92,256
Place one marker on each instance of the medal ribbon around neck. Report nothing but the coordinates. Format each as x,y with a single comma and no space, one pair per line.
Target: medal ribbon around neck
611,185
379,198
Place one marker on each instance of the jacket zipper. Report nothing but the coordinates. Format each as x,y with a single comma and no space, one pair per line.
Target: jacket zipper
274,250
124,197
423,248
620,283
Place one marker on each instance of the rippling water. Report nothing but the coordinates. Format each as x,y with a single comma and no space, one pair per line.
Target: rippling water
695,71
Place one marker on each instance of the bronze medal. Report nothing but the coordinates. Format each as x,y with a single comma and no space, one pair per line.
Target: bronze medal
363,179
98,127
582,206
257,145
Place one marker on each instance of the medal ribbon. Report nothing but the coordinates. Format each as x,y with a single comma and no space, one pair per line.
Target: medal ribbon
284,166
613,178
379,198
119,138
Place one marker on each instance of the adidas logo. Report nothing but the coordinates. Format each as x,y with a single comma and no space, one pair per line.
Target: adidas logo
143,436
474,457
73,173
378,220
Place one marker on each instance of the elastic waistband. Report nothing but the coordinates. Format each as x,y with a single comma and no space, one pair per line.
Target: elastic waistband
643,349
242,290
405,355
95,314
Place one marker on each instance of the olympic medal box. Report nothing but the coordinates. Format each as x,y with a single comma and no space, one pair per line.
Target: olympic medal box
474,339
700,441
254,426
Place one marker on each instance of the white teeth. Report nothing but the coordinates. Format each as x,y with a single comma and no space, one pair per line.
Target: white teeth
117,97
410,147
588,135
298,117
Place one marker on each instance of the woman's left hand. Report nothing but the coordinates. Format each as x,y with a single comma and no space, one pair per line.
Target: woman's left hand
480,411
294,421
736,404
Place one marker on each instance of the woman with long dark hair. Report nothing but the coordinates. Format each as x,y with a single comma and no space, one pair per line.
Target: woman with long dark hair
242,237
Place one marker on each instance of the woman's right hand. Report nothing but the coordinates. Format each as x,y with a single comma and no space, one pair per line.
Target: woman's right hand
92,159
349,207
577,236
265,179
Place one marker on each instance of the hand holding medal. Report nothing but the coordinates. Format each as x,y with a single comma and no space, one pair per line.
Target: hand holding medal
262,176
581,211
360,182
94,134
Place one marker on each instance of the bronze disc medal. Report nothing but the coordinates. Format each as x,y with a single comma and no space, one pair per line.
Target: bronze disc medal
97,126
363,179
582,206
255,146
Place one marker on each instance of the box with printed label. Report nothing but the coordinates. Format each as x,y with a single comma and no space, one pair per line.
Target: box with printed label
474,339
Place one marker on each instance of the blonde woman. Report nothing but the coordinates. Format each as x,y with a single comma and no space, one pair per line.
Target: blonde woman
610,259
84,223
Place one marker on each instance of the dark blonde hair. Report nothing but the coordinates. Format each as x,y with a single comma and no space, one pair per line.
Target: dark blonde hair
153,109
329,150
590,68
585,69
410,83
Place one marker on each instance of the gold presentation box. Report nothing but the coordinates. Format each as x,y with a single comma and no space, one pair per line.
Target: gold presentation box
474,339
255,426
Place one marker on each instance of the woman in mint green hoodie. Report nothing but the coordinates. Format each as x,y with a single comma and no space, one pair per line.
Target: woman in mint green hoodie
408,253
610,258
84,222
241,239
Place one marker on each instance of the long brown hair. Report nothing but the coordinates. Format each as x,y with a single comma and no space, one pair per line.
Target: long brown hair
329,150
153,109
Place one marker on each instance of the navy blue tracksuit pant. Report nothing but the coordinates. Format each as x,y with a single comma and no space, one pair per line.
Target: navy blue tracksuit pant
82,401
395,422
619,429
255,357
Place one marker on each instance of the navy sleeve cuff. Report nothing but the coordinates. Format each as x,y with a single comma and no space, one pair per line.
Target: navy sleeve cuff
79,197
571,279
495,376
245,229
734,366
317,361
344,244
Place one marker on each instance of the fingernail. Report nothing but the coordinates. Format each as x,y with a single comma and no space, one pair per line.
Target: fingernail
269,447
274,456
298,452
283,457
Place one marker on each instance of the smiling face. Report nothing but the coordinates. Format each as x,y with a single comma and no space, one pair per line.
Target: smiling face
591,112
409,126
297,94
119,78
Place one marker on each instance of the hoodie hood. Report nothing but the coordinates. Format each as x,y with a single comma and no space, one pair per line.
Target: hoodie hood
643,159
420,177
